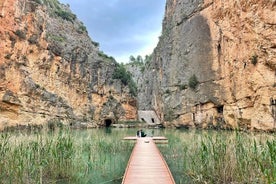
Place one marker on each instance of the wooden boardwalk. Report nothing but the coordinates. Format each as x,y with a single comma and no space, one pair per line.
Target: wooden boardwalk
146,165
158,140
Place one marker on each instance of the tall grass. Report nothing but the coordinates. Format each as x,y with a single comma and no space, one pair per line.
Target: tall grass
221,158
62,157
96,156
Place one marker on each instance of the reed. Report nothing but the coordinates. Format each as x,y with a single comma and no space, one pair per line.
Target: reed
62,157
221,158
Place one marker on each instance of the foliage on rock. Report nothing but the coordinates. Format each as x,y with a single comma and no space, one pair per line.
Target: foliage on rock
193,81
125,77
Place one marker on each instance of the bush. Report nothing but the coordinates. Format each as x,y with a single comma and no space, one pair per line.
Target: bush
182,87
33,39
66,15
169,115
122,74
254,59
101,53
193,82
96,44
82,29
20,34
132,88
54,123
57,38
8,56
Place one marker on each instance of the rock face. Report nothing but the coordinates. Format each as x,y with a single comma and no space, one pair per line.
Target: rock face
50,70
215,65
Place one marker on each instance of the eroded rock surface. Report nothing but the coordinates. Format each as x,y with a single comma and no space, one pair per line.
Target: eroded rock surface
50,70
230,48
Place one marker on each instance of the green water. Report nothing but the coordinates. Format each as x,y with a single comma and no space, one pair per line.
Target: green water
100,156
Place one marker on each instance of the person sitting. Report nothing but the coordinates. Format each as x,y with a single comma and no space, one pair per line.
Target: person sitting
138,133
141,133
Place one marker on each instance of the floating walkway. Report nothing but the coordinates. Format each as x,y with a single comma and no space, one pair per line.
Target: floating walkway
158,140
146,164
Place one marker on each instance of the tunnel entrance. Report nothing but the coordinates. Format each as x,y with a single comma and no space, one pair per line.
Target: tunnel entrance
107,122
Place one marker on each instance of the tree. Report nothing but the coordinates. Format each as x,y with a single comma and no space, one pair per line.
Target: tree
122,74
139,59
132,58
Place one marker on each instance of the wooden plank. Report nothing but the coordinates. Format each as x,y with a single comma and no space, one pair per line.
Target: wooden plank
157,140
146,165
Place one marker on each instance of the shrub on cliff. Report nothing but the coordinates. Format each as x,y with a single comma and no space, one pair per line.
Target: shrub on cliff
21,34
125,77
254,59
193,82
66,15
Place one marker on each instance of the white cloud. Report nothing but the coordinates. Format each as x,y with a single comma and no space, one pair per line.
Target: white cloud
152,40
122,27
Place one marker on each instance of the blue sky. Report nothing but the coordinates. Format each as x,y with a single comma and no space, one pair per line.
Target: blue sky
122,27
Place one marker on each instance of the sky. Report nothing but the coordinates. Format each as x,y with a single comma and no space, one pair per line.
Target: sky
122,27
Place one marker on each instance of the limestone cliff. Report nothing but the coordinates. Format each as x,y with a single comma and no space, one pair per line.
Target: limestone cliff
50,70
215,65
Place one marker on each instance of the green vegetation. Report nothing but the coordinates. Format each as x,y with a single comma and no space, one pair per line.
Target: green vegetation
96,44
254,59
66,15
193,81
139,61
169,115
62,157
8,56
102,54
183,87
56,37
82,29
21,34
55,6
224,157
125,77
54,124
33,39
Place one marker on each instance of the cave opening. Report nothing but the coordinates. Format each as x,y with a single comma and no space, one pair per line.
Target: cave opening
107,122
220,109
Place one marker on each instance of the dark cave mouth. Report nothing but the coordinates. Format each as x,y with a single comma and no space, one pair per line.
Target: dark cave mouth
107,122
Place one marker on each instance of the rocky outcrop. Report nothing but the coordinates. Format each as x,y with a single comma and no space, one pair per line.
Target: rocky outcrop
51,70
214,65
